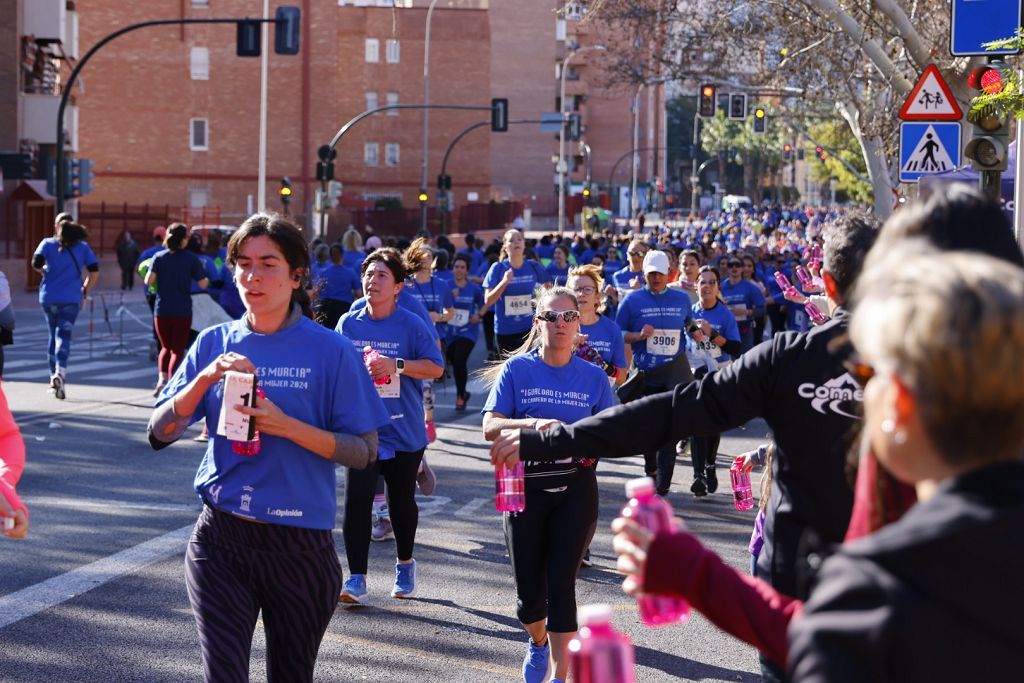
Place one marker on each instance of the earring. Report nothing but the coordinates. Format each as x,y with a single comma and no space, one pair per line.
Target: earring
898,436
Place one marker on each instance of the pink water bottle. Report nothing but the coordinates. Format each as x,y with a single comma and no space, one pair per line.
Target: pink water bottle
787,286
369,356
805,278
816,316
252,445
510,488
743,499
598,653
654,514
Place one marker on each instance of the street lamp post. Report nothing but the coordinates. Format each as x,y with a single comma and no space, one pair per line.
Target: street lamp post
634,201
562,164
426,114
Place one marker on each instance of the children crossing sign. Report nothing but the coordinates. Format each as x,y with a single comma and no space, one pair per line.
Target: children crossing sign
931,99
928,148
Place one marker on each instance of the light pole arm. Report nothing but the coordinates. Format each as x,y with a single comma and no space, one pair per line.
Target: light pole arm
85,60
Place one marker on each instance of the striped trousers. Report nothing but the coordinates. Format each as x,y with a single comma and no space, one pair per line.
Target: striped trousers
236,569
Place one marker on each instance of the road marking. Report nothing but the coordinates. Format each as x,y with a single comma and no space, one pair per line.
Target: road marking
42,596
85,408
73,371
108,505
470,508
432,505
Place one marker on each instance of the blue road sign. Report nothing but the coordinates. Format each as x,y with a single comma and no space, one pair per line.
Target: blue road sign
927,148
973,22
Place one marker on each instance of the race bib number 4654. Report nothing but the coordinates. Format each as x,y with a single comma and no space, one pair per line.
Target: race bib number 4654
518,305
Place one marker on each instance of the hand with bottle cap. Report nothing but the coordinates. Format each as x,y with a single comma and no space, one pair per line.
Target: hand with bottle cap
269,418
505,448
214,372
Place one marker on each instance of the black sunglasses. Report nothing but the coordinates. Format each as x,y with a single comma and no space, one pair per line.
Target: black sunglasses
860,371
636,252
553,316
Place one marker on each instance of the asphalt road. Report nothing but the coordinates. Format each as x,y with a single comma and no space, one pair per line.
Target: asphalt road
97,591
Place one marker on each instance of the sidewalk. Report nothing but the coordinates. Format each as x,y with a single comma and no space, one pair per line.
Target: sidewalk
29,301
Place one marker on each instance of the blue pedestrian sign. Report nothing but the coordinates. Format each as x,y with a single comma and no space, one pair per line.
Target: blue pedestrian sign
928,148
973,22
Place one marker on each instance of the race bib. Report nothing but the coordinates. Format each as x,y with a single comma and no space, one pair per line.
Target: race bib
711,348
461,318
518,305
739,316
390,389
664,342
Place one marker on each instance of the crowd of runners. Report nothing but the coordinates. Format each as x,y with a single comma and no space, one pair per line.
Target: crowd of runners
894,352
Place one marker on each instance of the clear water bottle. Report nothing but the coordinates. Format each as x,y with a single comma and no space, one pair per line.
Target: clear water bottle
252,446
743,499
654,514
370,355
510,488
598,653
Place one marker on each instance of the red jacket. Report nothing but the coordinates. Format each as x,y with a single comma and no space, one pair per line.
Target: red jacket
12,455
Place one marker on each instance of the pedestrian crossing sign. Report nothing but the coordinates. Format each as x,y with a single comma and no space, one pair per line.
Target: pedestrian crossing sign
928,148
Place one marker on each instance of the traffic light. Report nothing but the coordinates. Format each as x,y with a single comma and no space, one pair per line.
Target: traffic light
990,132
586,192
325,167
444,182
423,197
706,101
287,29
820,152
738,106
575,126
81,177
787,153
760,120
285,193
499,115
247,35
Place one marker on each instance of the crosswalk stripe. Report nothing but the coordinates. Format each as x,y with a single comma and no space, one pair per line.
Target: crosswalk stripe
73,371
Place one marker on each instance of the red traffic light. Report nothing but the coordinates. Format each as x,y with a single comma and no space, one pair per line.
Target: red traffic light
708,91
787,148
986,79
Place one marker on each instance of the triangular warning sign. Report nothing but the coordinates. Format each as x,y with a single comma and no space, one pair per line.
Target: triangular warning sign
929,155
931,99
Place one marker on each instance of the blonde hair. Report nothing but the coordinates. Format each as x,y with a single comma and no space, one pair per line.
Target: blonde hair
490,372
352,240
594,273
766,478
503,253
951,325
417,255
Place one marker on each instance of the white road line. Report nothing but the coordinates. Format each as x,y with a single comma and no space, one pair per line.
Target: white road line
469,509
107,505
42,596
76,370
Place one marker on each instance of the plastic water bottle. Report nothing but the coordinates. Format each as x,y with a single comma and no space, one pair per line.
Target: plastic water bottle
598,653
654,514
816,316
252,446
743,499
369,356
787,286
805,278
510,488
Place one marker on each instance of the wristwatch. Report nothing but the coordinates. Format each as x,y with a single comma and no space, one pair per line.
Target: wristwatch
399,366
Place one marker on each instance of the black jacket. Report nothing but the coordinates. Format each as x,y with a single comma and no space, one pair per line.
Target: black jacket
797,383
937,596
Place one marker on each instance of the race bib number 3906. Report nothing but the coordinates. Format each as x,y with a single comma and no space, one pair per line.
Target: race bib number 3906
518,305
664,342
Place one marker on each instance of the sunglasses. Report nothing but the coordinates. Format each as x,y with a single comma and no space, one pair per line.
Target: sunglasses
587,289
860,371
636,252
553,316
735,265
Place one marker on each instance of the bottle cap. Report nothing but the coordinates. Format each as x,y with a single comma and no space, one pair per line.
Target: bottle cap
367,349
641,486
588,615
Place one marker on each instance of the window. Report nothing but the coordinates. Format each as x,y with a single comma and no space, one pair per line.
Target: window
391,154
392,99
200,64
371,101
370,153
201,3
198,197
391,47
197,135
372,50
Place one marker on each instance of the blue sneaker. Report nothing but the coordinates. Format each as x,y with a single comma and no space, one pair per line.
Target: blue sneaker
405,580
537,664
354,591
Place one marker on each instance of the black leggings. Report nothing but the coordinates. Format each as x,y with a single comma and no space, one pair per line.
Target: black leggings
488,321
660,464
360,485
704,449
236,569
458,353
508,343
545,543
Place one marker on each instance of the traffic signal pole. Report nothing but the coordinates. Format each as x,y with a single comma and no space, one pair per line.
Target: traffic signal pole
85,60
694,173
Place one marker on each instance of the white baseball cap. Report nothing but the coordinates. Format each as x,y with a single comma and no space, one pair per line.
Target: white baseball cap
656,262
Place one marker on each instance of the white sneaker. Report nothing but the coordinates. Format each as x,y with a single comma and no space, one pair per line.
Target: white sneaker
381,529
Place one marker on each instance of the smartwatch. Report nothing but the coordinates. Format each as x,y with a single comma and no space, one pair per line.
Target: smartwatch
399,366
